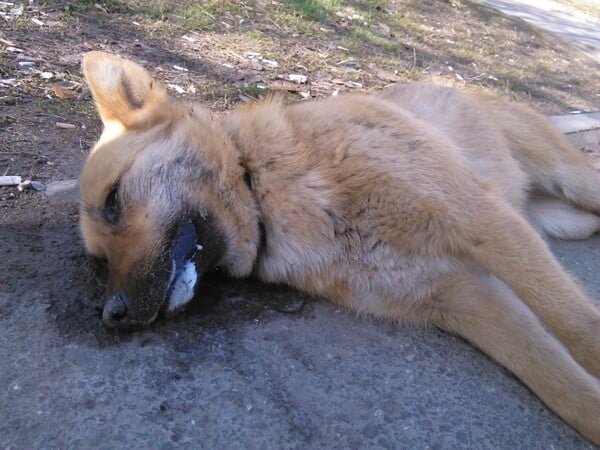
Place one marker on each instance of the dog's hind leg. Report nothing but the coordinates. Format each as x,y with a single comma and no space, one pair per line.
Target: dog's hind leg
500,241
483,310
560,219
554,166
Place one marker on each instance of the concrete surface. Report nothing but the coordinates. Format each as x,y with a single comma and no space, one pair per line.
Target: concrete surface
245,376
582,30
574,123
258,370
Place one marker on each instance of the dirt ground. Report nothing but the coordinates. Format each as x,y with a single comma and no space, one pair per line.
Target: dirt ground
226,53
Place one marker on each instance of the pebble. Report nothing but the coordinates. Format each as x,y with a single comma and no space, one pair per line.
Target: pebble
29,184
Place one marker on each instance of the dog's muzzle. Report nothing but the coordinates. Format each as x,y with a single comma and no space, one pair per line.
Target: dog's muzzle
180,287
115,309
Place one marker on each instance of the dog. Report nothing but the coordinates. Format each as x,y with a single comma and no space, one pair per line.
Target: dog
419,204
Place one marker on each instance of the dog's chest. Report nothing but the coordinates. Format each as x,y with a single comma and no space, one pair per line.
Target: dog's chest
352,267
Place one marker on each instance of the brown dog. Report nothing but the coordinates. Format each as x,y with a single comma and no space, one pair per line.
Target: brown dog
417,205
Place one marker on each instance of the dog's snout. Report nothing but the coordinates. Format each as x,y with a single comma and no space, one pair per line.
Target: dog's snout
115,309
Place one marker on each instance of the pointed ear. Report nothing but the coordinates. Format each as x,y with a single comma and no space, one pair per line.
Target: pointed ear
124,92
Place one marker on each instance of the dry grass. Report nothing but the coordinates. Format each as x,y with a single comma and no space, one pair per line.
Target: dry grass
232,49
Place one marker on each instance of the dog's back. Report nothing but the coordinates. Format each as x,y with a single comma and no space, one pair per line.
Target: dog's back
524,157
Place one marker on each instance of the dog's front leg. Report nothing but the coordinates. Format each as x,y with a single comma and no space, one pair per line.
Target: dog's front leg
483,310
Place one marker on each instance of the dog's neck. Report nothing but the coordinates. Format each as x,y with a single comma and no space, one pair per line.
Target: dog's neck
254,143
262,242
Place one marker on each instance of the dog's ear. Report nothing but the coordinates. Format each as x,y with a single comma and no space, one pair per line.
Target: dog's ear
125,94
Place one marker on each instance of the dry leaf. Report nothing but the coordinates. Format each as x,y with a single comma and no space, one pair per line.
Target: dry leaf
177,88
385,28
65,89
270,62
284,85
353,84
9,82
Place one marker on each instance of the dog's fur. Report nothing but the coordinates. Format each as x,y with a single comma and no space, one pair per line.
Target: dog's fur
419,204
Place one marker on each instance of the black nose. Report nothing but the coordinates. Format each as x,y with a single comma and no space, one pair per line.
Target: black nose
115,309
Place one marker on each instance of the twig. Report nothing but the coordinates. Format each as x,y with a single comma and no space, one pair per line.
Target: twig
273,22
7,42
19,153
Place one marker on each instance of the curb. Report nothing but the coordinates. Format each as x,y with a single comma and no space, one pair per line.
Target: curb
574,123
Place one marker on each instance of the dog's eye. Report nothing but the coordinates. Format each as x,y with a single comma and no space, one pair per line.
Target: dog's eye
111,205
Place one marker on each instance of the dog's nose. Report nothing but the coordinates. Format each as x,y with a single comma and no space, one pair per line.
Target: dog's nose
115,309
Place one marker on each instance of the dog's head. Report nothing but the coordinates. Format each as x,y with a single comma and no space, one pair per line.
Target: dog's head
163,195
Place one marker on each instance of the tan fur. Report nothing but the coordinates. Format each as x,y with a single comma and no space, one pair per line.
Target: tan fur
411,205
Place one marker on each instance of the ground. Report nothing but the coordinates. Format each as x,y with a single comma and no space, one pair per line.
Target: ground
264,366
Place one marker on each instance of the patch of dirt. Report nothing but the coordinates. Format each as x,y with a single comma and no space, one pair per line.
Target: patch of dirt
224,53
